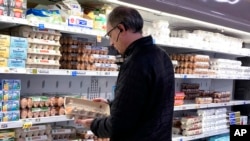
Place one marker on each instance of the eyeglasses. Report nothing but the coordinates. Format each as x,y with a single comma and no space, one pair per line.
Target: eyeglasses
109,32
107,35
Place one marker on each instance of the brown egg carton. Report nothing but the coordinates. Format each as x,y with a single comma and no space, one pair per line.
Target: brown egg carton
82,108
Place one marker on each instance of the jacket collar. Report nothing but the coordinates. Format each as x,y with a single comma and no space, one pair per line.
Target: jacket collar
144,41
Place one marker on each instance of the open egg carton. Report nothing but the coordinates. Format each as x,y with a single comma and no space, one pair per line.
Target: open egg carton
82,108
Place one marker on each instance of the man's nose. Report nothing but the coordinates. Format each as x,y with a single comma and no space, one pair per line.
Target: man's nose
111,42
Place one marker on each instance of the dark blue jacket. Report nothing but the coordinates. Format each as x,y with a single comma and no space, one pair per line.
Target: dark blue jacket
142,109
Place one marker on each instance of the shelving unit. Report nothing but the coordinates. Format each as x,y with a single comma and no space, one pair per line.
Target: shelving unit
204,135
103,80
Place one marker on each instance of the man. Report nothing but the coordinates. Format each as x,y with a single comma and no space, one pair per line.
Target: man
142,109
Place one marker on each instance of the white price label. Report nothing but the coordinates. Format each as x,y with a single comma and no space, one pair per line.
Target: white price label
107,73
43,71
4,126
37,120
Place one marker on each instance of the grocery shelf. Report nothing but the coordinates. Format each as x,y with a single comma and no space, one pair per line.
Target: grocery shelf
180,44
42,25
211,105
40,120
13,70
12,20
207,76
38,71
204,135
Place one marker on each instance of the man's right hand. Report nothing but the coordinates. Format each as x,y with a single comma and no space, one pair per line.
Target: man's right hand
101,100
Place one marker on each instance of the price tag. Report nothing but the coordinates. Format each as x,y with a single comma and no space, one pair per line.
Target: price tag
99,38
107,73
197,106
34,71
4,126
27,125
37,120
41,26
185,77
74,73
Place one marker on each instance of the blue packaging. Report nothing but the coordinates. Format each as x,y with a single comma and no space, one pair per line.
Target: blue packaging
16,63
1,96
11,95
17,42
1,116
10,106
6,84
16,85
18,53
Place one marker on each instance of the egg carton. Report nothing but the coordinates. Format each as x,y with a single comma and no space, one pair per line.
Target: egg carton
44,46
71,40
34,32
63,133
37,130
50,52
43,42
82,108
36,138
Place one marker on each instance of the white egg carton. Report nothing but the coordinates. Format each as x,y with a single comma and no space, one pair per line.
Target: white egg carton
43,42
43,61
36,138
82,108
36,130
34,32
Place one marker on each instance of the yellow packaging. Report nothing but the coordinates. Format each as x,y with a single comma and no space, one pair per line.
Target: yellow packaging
4,52
4,40
3,62
7,134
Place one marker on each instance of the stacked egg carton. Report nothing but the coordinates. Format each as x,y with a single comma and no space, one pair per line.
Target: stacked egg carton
43,50
82,55
63,133
187,126
191,63
159,30
226,67
213,119
37,132
41,106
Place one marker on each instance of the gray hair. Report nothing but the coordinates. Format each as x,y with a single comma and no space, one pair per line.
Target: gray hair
130,18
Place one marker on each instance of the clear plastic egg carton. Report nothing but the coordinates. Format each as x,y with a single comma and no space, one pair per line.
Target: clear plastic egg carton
82,108
34,32
37,130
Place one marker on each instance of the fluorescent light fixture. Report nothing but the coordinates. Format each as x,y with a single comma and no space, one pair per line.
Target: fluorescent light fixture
217,12
228,1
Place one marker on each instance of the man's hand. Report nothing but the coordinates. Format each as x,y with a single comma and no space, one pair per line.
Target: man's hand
101,100
85,122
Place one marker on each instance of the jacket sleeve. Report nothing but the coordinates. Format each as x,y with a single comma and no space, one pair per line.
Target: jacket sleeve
128,105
